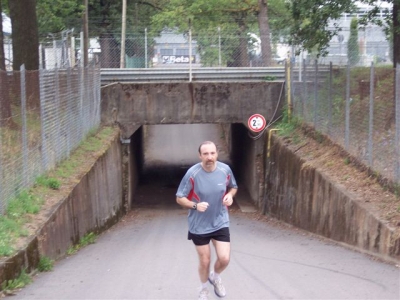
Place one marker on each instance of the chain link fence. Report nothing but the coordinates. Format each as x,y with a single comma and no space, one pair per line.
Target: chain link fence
45,114
357,107
166,50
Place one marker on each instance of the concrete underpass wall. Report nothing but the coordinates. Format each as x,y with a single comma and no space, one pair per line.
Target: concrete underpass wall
94,204
133,104
298,194
247,157
136,161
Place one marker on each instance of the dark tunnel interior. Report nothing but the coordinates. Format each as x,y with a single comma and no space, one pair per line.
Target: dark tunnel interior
161,154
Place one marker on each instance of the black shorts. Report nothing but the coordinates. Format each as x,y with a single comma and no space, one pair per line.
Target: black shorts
221,235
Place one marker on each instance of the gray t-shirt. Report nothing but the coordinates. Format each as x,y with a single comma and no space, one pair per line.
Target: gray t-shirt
200,186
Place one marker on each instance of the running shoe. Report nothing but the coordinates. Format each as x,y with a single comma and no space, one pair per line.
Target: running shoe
203,295
219,289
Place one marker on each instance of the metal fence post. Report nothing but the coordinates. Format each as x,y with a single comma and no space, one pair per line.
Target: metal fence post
190,54
315,94
145,49
371,115
305,90
43,117
347,110
330,104
58,114
2,194
24,128
69,110
397,121
81,95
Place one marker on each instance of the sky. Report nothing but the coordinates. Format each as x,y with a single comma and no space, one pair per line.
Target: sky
6,24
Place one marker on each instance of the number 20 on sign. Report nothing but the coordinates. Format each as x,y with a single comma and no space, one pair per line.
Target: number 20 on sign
256,122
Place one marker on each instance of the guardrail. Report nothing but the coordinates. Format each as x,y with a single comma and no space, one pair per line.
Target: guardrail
109,76
197,74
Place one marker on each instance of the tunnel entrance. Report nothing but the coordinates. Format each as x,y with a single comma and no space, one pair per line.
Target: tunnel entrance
161,154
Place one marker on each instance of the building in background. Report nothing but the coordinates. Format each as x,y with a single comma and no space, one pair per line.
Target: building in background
173,50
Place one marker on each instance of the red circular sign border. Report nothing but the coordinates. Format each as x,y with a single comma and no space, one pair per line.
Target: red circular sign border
259,116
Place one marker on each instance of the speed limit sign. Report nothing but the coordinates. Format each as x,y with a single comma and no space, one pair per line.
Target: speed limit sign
257,122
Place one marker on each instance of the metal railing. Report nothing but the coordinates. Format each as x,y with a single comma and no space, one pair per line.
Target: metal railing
197,74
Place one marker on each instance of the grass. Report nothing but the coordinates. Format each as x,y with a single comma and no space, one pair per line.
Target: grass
86,240
45,264
17,215
288,126
21,209
21,281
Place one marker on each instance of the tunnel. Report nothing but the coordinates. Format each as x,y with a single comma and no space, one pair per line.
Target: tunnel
159,156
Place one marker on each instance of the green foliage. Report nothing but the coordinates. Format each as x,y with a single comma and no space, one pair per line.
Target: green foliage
86,240
288,124
353,51
11,224
215,23
310,20
57,15
20,282
270,78
29,202
347,161
24,203
45,264
51,183
309,28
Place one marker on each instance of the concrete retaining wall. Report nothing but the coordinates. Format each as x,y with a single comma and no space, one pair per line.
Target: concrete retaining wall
298,194
94,204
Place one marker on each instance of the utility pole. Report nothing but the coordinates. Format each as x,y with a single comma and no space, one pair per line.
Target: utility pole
123,34
85,42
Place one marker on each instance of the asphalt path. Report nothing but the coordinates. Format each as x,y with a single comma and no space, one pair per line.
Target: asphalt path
147,256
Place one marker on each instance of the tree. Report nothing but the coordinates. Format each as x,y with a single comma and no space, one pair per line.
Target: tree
5,105
309,29
54,16
353,51
105,22
233,18
310,20
25,39
264,32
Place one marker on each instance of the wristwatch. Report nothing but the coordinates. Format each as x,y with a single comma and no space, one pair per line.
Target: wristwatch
194,207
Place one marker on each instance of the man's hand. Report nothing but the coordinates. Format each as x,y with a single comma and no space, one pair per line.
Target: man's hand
202,206
228,199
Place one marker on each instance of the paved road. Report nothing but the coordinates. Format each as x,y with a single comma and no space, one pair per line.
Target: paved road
147,256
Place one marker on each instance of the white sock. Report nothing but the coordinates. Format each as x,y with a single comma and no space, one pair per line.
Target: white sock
214,275
204,285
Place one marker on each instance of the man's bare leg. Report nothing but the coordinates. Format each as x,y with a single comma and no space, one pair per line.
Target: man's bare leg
204,253
223,251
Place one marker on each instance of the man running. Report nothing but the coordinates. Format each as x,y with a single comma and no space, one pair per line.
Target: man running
207,189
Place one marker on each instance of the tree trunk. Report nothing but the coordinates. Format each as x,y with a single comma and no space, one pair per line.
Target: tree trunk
243,44
25,38
5,104
264,33
25,42
396,33
110,52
